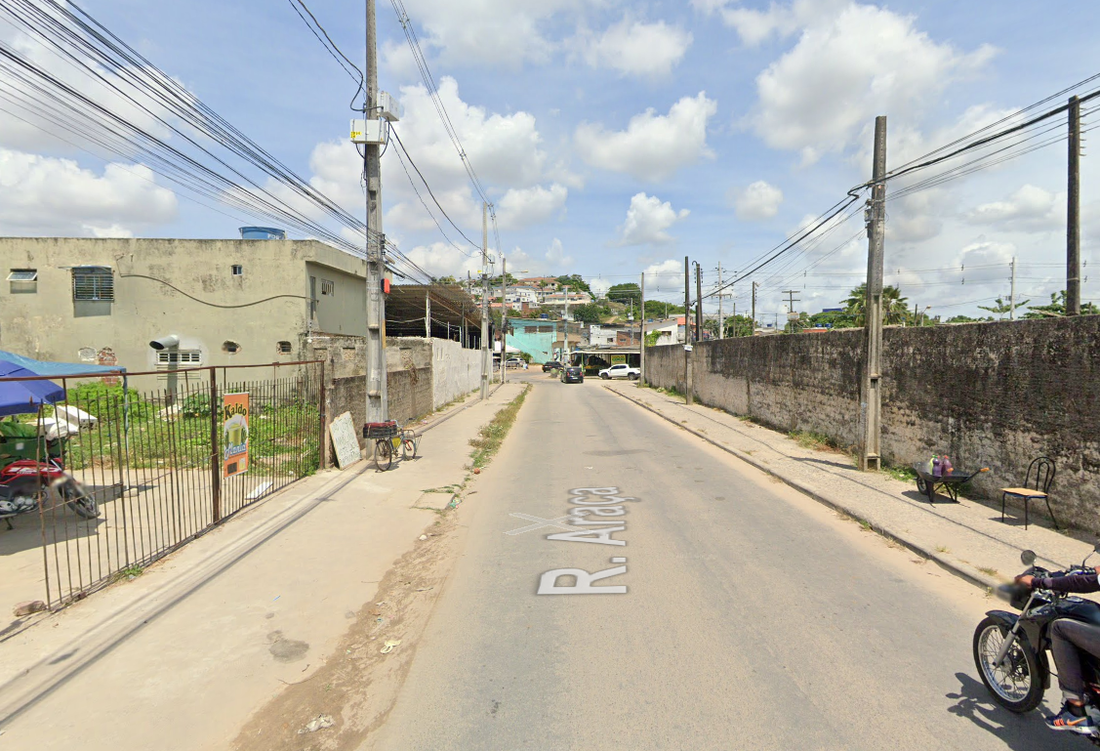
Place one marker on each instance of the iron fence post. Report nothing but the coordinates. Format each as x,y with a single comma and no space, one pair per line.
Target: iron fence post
215,474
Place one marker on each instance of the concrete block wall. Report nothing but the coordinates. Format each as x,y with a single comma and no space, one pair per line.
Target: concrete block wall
455,371
987,394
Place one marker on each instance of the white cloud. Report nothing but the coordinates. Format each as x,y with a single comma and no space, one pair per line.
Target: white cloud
664,276
1029,209
637,48
759,200
755,26
42,195
524,207
443,259
647,219
653,147
556,255
820,96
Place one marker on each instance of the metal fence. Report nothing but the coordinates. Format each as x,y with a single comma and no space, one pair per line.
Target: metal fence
159,453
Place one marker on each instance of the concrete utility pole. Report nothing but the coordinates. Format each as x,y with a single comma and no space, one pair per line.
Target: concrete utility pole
565,326
871,391
1012,293
486,367
790,293
377,403
752,331
721,319
688,386
428,315
1073,212
641,343
503,318
698,302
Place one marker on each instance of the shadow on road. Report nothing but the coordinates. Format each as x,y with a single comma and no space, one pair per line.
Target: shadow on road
1024,732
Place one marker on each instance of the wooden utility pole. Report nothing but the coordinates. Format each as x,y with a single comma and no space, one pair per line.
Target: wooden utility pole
687,332
377,403
871,388
752,331
1073,212
790,293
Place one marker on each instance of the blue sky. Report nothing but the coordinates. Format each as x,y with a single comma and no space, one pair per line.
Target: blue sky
615,137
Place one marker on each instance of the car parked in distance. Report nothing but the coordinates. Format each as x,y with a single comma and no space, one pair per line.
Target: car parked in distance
513,362
572,374
551,365
621,370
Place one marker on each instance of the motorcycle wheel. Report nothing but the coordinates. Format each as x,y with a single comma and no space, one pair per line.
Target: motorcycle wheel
1018,684
79,499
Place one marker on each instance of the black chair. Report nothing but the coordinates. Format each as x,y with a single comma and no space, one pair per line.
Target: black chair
1040,474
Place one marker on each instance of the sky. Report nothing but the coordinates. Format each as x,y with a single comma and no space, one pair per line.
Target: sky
616,137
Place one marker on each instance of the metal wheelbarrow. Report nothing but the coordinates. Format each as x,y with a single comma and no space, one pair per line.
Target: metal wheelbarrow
949,483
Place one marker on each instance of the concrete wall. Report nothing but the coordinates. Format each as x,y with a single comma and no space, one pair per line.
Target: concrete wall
987,394
455,371
183,287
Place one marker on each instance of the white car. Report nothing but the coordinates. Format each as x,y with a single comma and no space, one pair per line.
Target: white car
621,370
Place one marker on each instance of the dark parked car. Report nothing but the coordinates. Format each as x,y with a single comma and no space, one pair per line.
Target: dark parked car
572,374
551,365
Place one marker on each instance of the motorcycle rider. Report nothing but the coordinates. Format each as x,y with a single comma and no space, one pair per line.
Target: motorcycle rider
1068,638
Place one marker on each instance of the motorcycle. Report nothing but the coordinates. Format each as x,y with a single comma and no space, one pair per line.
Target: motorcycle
1010,650
26,483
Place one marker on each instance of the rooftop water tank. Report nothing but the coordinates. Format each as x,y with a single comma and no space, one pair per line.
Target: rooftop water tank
262,233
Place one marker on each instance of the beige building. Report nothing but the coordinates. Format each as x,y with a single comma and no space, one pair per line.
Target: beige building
229,301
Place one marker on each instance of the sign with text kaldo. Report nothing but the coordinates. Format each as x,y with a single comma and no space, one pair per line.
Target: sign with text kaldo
235,433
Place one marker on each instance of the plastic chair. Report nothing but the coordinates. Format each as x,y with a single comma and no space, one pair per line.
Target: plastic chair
1040,474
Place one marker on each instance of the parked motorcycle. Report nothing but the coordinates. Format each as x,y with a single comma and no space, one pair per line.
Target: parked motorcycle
25,484
1010,650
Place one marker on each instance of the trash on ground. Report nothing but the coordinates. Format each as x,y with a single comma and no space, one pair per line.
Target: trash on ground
389,645
318,722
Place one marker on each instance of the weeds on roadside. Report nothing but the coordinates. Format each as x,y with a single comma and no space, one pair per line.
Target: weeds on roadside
129,573
808,439
905,474
491,436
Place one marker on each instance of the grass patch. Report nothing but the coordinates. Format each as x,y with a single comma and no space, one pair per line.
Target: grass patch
988,571
129,573
942,549
905,474
808,439
491,436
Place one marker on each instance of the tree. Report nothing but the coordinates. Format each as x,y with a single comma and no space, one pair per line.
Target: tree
710,325
588,313
895,308
835,319
575,283
446,280
625,293
739,326
967,319
1057,308
658,309
1002,308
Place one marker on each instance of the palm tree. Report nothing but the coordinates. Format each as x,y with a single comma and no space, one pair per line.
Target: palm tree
895,308
1001,307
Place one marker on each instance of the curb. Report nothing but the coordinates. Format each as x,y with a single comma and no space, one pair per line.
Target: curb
964,571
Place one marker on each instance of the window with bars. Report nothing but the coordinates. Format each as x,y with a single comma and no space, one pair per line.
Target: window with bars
328,288
93,283
184,358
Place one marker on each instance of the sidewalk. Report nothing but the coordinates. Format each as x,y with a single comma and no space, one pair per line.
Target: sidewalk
181,656
966,538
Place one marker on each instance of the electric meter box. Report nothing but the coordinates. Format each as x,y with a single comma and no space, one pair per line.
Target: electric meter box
370,132
388,107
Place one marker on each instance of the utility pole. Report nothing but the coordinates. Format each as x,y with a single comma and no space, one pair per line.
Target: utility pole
485,361
790,293
752,331
871,391
1073,212
428,314
698,302
377,406
688,386
503,318
721,320
565,326
641,331
1012,293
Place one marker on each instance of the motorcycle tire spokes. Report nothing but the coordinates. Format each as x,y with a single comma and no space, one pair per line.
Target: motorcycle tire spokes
1016,684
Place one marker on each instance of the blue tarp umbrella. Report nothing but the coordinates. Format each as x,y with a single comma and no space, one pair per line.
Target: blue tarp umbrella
23,397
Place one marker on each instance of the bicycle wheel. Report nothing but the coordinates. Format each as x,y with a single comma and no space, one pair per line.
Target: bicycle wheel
409,445
383,454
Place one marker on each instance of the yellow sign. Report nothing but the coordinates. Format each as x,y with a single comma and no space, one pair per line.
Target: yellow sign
235,434
616,359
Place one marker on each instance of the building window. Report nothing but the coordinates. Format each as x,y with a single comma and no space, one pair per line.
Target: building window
284,348
238,269
231,347
93,283
23,281
184,358
328,288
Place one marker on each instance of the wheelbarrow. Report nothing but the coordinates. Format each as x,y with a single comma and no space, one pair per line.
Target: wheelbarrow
927,484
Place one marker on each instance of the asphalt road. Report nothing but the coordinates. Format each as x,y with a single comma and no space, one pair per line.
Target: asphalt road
752,617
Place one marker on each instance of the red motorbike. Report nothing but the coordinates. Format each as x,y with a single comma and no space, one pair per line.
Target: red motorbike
26,484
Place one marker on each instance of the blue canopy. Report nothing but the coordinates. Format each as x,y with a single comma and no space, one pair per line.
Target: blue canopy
45,368
22,397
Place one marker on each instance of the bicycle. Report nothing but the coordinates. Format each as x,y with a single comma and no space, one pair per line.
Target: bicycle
389,438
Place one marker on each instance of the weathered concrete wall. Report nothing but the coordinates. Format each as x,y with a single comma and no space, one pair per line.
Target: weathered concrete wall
455,371
987,394
182,287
